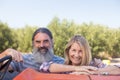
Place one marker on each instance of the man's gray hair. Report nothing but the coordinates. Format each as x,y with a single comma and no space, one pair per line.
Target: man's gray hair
42,30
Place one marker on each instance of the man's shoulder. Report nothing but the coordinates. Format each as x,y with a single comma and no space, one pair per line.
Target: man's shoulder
27,55
58,59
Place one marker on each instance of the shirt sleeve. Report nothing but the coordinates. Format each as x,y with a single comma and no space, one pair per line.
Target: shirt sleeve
15,66
117,66
98,63
101,65
45,67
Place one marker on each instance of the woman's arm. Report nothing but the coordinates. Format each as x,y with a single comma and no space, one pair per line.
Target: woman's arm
69,68
109,70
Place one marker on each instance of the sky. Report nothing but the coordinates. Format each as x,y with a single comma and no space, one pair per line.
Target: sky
19,13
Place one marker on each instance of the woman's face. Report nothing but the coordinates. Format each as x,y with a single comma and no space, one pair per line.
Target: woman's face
75,54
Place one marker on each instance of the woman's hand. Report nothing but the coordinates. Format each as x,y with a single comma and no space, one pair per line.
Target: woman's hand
108,70
84,70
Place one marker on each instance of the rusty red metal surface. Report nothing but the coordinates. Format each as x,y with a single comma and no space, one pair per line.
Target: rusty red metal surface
30,74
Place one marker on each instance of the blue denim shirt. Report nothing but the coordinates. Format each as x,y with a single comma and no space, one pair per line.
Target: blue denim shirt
28,61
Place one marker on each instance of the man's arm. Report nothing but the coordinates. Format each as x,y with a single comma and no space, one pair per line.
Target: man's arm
17,56
2,55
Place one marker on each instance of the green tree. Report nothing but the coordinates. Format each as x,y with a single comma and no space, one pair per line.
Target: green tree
24,38
62,32
6,37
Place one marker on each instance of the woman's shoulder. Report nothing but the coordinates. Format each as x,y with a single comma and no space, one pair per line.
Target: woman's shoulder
97,63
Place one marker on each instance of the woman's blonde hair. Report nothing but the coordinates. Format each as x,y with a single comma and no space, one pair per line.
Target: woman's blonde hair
86,58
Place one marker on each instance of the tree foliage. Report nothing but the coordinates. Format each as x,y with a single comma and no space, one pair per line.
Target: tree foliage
102,39
24,38
6,37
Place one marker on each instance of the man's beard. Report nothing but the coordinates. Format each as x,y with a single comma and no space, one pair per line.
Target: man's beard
42,54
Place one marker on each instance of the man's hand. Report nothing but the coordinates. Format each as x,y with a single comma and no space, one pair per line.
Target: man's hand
16,55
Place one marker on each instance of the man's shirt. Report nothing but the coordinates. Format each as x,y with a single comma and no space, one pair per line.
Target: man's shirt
28,62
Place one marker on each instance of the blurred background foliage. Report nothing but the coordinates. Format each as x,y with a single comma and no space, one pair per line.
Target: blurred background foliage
104,41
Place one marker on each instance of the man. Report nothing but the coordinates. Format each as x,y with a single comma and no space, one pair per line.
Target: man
42,57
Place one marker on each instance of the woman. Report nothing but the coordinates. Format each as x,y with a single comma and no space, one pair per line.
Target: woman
78,53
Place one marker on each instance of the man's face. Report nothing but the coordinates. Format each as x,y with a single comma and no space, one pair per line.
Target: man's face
42,47
43,42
